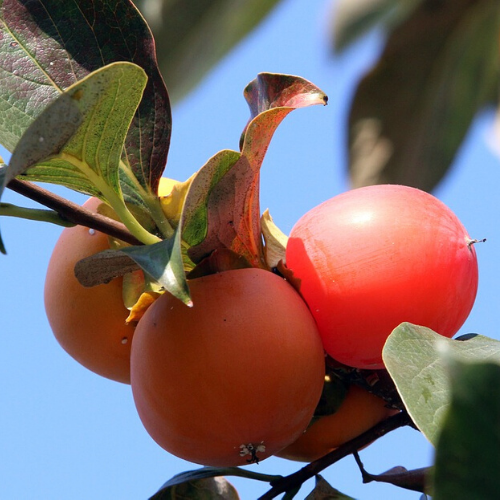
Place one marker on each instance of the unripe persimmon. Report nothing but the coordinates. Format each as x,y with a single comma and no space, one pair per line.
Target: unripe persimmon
359,411
372,258
235,378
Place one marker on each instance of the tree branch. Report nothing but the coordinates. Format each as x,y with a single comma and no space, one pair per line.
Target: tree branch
414,480
72,211
297,478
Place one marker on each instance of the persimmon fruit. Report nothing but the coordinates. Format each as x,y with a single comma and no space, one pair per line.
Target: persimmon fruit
235,378
89,323
359,412
374,257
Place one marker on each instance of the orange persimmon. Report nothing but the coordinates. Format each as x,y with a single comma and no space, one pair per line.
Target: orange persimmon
359,411
235,378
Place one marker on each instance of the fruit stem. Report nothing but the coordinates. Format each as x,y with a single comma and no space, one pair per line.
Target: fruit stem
471,242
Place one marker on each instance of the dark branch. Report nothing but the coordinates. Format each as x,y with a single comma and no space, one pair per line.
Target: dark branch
73,212
297,478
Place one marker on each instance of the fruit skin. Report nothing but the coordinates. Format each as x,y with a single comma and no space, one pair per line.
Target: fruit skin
372,258
359,412
89,323
244,365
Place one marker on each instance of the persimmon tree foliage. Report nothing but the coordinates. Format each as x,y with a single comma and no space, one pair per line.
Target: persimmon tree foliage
211,310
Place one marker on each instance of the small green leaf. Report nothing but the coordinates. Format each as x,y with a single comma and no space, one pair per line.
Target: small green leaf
414,357
468,449
163,262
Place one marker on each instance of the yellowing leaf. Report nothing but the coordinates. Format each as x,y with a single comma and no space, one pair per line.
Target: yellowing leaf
172,194
141,306
275,240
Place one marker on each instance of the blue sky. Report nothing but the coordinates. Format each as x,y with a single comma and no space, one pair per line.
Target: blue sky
67,433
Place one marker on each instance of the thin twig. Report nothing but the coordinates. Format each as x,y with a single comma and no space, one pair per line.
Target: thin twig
72,211
297,478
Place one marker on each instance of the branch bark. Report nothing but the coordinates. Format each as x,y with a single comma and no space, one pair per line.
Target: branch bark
296,479
73,212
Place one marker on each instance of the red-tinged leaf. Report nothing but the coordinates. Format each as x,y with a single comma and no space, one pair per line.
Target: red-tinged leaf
222,205
48,45
411,113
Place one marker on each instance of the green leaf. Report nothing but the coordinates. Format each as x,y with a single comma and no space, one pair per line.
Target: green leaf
222,205
163,262
90,162
468,451
324,491
414,357
208,472
353,18
214,488
44,137
412,111
192,36
78,38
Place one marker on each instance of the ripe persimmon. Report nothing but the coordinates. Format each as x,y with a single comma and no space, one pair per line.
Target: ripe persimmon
89,323
359,411
372,258
235,378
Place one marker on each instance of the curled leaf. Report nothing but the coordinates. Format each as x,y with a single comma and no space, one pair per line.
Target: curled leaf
222,207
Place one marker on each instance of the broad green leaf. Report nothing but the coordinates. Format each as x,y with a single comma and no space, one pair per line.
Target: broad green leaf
44,137
46,46
192,35
222,205
468,450
414,357
91,161
324,491
353,18
412,111
209,472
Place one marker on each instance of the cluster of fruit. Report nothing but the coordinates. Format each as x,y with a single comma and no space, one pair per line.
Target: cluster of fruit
238,376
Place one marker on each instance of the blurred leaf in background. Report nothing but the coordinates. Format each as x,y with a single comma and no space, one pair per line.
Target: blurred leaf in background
193,35
439,67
